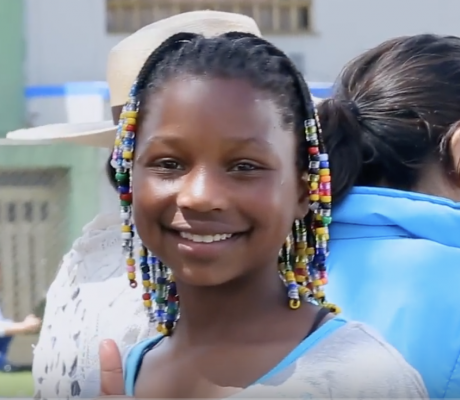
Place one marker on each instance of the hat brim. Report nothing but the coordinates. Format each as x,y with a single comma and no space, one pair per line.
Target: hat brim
95,134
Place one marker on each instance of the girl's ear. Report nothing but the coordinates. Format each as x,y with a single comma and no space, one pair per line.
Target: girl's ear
303,198
454,148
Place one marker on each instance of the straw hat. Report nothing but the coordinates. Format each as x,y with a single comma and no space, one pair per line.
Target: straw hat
124,63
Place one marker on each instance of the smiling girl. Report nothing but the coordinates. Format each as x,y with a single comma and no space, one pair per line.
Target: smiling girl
221,167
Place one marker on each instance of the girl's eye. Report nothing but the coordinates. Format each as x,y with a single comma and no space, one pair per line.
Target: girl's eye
244,167
168,164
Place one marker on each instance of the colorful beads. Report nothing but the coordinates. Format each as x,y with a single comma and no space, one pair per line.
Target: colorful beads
158,286
302,261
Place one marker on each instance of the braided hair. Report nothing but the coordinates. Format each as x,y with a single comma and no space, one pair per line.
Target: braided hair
236,55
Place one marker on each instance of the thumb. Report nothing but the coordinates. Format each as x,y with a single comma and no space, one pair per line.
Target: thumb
112,382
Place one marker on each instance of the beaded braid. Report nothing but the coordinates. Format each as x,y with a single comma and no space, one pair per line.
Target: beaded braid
157,280
302,257
304,264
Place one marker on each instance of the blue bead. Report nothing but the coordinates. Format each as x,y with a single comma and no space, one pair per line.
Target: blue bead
143,260
159,313
320,258
292,286
161,280
324,164
146,277
123,189
152,260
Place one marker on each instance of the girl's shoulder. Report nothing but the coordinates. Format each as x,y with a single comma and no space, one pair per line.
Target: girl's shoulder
355,361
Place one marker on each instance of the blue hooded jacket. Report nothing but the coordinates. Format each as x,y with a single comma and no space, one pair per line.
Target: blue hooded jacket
395,265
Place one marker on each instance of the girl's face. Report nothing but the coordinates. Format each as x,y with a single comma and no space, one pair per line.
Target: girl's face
215,183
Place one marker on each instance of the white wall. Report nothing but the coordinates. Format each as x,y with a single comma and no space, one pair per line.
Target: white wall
66,39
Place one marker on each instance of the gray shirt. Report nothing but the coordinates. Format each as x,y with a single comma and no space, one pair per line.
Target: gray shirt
353,362
341,360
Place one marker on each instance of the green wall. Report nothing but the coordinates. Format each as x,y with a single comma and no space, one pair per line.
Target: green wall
83,196
12,51
82,162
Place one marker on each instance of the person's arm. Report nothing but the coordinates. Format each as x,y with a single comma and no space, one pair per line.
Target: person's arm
9,328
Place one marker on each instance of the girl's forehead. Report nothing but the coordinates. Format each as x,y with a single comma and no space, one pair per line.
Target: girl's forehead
220,115
213,103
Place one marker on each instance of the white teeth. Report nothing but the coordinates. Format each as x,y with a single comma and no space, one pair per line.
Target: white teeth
205,238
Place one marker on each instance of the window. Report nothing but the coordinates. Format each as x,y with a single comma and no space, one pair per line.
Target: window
272,16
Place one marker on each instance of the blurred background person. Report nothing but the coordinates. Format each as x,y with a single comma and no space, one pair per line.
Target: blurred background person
392,129
8,330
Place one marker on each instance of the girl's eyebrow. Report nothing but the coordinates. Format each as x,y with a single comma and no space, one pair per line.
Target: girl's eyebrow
242,141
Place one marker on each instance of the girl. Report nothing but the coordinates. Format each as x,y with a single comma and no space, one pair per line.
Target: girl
392,130
219,159
89,294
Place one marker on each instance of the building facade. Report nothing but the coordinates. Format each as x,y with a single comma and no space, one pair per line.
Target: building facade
69,40
47,193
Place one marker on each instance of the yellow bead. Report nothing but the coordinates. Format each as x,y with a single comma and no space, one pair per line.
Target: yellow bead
142,252
300,278
319,294
311,251
130,121
162,329
322,238
117,142
130,261
321,230
318,282
125,228
294,304
324,171
303,290
128,114
127,155
300,265
313,185
289,276
314,197
326,199
146,284
148,303
153,286
333,308
131,276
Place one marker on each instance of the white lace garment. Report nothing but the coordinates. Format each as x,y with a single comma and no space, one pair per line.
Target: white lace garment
89,300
